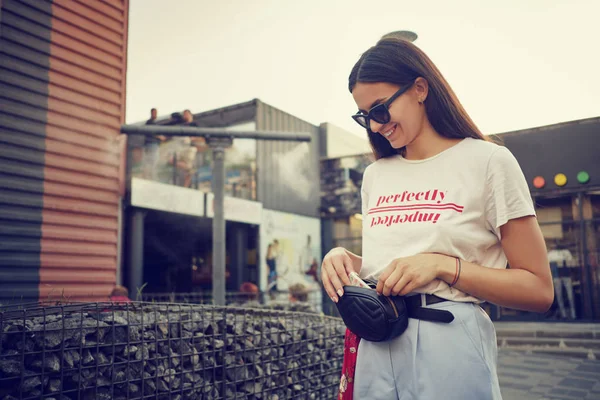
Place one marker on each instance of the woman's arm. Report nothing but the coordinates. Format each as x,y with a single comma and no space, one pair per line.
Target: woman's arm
527,285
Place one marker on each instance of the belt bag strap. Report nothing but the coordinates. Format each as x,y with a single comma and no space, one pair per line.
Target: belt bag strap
416,312
430,314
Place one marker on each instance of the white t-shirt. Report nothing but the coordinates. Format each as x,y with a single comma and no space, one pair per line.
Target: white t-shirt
452,203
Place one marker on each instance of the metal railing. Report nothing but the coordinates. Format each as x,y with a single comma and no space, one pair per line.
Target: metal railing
167,351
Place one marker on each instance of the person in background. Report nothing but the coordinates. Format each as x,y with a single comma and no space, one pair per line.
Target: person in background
186,153
188,117
271,258
120,294
313,271
560,260
249,291
298,293
151,150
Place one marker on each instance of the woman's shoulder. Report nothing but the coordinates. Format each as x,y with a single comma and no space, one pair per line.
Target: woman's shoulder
485,147
483,152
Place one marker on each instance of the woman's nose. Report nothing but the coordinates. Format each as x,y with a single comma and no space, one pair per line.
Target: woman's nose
375,126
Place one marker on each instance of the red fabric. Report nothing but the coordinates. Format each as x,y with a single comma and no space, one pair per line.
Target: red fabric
351,342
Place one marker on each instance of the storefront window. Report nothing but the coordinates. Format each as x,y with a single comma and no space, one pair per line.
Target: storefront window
187,162
572,246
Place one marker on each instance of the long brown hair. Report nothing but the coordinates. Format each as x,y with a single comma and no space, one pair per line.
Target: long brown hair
400,62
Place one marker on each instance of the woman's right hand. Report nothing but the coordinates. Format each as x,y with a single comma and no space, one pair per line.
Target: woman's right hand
335,269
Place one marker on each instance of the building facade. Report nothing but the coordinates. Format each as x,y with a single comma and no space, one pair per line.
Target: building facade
62,91
562,167
273,235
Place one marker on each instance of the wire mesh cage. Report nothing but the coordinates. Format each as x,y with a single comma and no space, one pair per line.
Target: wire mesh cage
167,351
278,300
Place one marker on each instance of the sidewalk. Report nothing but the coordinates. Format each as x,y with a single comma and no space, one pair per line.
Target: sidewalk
549,329
561,339
547,377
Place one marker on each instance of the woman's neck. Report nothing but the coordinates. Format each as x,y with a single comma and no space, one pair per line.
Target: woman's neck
428,144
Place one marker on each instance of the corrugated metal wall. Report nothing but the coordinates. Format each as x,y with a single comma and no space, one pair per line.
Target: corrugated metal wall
65,62
288,172
23,107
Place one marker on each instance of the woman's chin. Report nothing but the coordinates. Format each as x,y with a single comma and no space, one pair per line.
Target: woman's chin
397,144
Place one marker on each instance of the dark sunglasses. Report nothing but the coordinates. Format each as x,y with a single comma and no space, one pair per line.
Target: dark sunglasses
379,113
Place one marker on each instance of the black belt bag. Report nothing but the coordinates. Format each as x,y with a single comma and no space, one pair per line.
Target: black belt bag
378,318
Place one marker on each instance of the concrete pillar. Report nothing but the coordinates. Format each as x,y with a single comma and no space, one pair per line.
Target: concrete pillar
590,279
239,250
136,252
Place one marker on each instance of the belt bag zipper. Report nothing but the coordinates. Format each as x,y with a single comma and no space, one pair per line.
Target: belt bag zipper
393,306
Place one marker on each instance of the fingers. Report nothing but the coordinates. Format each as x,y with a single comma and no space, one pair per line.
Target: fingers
331,281
383,277
336,283
391,281
327,285
408,288
341,271
349,268
400,286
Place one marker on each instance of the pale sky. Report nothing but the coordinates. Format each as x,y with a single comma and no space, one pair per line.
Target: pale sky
514,64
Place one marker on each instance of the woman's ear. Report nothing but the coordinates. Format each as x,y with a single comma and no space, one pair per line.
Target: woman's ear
421,89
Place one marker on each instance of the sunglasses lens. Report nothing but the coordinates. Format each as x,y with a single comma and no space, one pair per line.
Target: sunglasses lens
361,119
380,114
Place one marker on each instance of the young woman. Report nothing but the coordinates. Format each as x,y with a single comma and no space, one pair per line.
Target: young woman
444,209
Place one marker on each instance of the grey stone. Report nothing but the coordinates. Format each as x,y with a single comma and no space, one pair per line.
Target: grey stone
87,357
30,384
10,367
51,363
53,385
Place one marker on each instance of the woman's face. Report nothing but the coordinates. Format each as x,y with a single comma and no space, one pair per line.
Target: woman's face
406,114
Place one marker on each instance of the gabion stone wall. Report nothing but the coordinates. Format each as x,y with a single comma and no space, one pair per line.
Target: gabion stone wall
280,300
167,351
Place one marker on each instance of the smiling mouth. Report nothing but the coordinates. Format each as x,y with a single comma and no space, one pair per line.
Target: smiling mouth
389,132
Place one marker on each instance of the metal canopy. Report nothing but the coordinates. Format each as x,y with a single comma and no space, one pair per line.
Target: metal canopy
153,130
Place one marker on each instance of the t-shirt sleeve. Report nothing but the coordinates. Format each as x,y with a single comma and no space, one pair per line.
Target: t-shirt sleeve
508,195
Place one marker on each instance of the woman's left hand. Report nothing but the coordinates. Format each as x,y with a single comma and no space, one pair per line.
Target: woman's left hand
404,275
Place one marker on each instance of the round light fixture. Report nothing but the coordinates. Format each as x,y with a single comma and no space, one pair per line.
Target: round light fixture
583,177
560,179
539,182
404,35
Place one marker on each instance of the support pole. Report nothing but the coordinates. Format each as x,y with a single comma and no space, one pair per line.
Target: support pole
136,254
218,146
587,275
